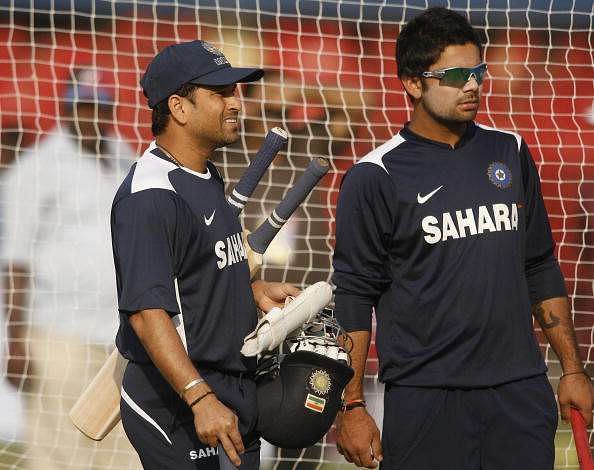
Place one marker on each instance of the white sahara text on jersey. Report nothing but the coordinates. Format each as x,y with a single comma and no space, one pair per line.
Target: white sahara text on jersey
230,251
469,222
202,453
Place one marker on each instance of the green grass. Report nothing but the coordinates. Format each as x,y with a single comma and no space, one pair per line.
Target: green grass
12,455
565,454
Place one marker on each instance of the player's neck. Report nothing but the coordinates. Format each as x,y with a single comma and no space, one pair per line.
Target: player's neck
184,152
426,126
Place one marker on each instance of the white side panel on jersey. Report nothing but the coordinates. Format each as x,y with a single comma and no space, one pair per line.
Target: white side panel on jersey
152,172
376,156
143,414
517,136
178,320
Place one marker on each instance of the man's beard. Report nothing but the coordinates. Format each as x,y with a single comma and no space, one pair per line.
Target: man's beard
226,140
452,118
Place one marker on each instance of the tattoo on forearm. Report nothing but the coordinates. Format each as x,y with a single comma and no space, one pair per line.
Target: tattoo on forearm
539,313
559,330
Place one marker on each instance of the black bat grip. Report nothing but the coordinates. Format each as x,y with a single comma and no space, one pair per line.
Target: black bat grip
273,142
263,235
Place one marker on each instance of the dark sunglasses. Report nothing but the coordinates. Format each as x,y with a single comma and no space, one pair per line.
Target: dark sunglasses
458,76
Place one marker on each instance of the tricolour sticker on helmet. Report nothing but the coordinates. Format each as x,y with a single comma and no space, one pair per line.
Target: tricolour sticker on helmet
320,381
314,403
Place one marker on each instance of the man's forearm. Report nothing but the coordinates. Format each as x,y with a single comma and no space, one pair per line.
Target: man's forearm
16,285
360,339
159,337
554,317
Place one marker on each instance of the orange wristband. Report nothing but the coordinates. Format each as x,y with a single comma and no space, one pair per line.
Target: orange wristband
349,405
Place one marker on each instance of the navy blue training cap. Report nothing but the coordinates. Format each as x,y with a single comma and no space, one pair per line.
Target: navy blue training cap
196,62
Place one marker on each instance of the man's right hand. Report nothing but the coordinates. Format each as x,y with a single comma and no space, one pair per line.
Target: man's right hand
215,423
358,438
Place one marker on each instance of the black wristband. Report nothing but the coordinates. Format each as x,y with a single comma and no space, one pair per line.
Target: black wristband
191,405
574,373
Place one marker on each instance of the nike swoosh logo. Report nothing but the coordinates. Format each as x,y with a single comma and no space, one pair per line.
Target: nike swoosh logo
424,199
210,219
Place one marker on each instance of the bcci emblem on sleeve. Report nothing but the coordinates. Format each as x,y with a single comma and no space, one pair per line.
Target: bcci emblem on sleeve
500,175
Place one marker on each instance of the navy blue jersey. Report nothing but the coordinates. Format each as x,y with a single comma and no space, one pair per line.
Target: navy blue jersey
178,247
451,246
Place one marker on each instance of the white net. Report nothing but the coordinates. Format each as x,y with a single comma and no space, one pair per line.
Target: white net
331,83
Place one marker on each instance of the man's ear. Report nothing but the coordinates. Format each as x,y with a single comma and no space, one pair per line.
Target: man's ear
413,86
178,109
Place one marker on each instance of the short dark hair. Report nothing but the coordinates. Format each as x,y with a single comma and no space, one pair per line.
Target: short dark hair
425,37
160,116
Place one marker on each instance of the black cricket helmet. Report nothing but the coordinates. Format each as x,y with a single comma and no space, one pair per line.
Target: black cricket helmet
300,388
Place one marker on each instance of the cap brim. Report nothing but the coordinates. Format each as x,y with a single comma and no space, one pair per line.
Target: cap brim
229,75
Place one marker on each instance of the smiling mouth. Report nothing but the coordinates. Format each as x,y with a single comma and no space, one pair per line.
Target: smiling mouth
469,106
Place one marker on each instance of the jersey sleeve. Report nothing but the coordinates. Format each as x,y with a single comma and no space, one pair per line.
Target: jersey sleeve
544,277
143,230
364,223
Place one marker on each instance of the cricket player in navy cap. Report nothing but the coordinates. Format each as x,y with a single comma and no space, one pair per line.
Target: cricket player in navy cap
444,232
188,398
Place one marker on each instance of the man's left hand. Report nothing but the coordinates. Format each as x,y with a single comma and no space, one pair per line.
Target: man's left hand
272,294
575,391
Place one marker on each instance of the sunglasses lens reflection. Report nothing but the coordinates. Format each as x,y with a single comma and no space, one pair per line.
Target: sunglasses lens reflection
460,75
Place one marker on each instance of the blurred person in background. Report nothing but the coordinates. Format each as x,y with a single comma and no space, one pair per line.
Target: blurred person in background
58,275
10,401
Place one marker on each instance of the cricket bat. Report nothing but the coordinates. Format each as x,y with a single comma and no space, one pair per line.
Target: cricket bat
97,410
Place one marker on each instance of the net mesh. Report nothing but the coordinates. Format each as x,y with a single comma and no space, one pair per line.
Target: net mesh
331,83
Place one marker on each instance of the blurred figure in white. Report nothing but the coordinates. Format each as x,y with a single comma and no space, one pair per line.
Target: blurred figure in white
60,292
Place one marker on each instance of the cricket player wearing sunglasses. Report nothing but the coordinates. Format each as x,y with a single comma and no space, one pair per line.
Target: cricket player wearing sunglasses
442,231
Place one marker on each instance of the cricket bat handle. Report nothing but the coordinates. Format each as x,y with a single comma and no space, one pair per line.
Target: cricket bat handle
273,142
260,239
